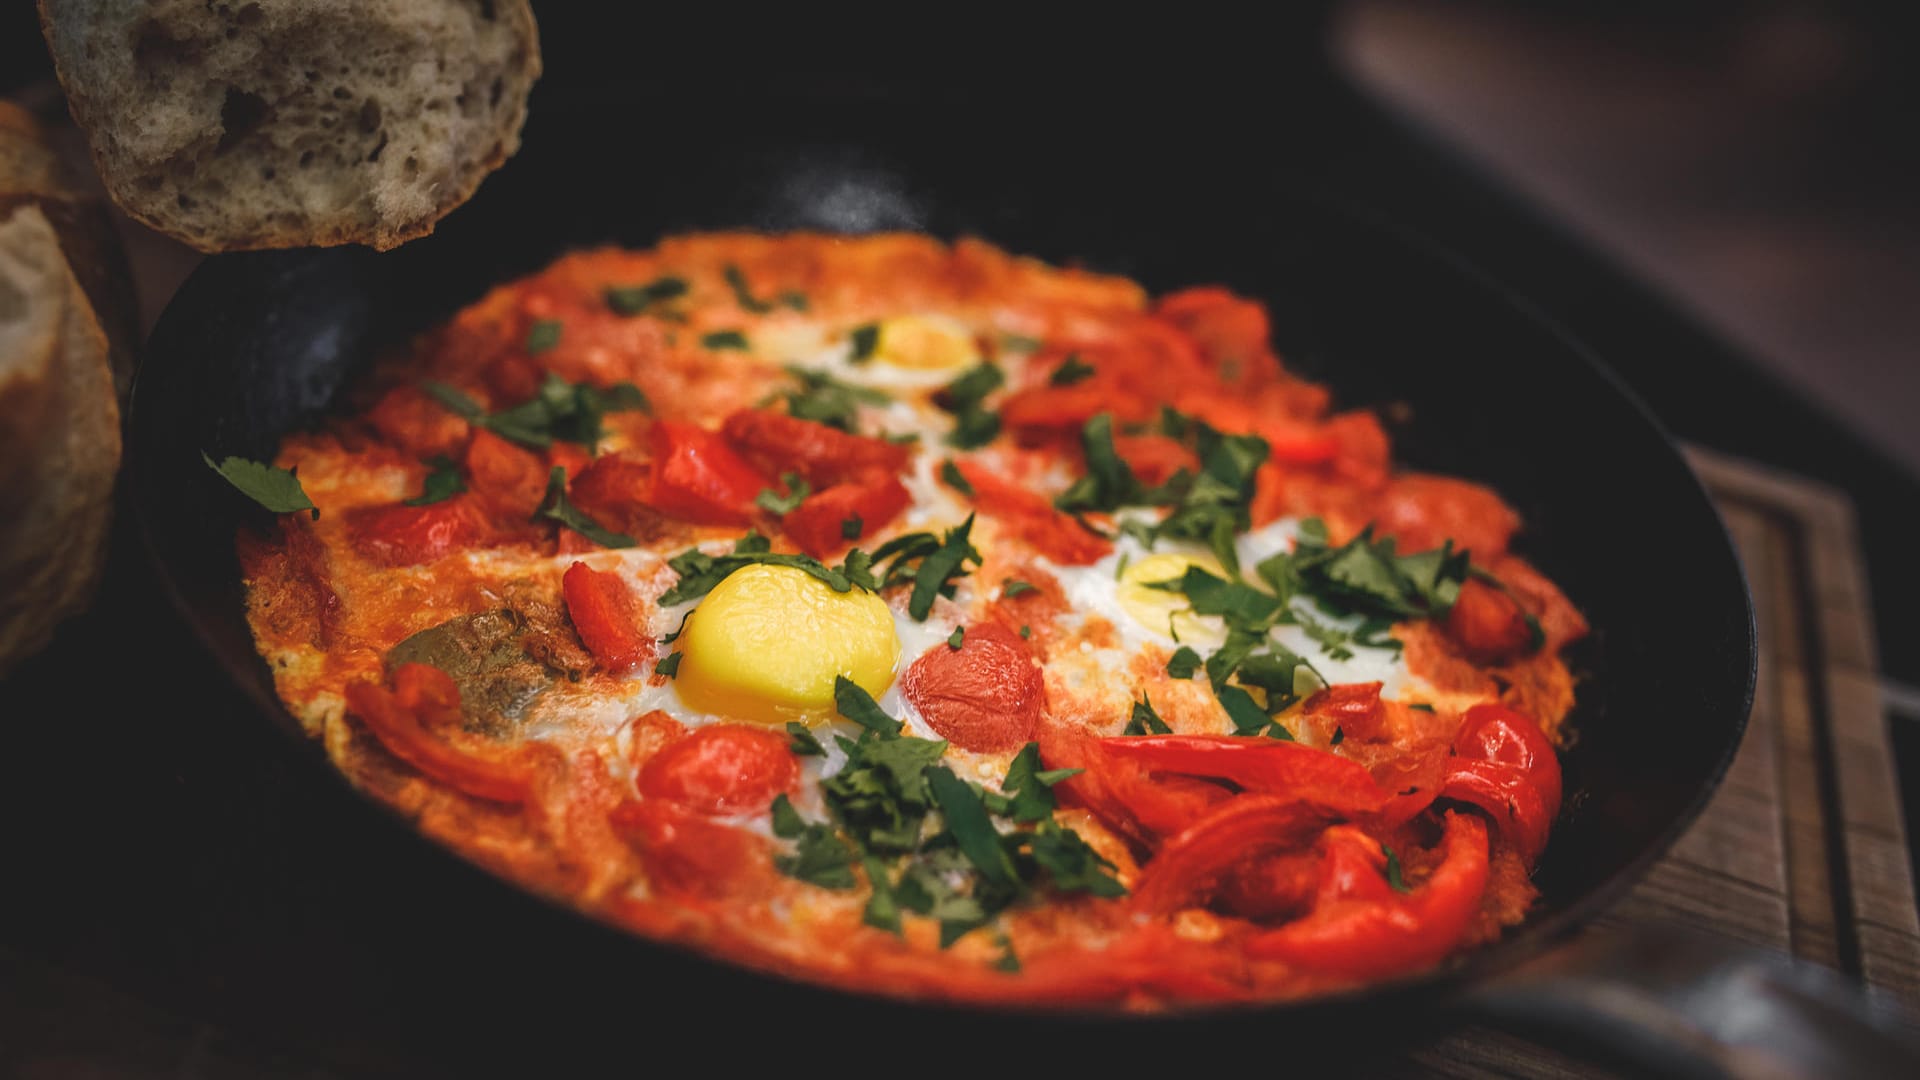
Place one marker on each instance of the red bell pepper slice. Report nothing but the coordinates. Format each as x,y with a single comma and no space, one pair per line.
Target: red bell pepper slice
698,477
985,696
1121,792
1192,865
510,480
1358,930
776,442
1030,516
1504,765
1259,764
603,611
402,535
1354,708
819,524
418,722
722,769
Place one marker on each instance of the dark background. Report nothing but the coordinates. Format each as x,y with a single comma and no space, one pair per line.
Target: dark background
120,909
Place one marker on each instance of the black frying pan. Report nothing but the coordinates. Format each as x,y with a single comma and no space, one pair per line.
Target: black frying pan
258,345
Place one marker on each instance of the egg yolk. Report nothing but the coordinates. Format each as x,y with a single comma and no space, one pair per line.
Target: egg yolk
766,644
1161,610
925,343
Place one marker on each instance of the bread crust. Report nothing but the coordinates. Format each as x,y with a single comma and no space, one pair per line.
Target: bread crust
60,437
102,47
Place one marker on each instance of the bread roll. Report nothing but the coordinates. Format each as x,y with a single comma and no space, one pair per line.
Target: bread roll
59,437
234,125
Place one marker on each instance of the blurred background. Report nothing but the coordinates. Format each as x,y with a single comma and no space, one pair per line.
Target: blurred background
1721,198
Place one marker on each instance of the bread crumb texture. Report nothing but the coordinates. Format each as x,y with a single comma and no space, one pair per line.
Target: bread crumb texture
282,123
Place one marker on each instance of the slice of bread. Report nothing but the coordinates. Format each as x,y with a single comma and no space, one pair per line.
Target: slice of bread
234,125
59,437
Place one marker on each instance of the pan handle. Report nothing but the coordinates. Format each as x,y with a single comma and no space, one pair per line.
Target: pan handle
1695,1006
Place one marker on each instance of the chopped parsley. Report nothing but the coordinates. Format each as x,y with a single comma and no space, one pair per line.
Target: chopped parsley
1070,371
1146,720
700,572
1394,880
951,475
955,639
443,483
556,507
827,400
636,299
974,424
775,503
570,412
804,743
669,665
851,527
1013,587
1183,663
725,339
275,488
542,336
737,281
862,341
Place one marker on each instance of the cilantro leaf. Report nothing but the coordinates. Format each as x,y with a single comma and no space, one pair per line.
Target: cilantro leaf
851,527
1013,587
1109,483
668,665
1394,880
725,339
542,336
775,503
443,483
700,572
955,639
1070,371
827,400
972,829
1183,663
862,341
882,909
1072,864
1145,720
854,703
820,858
556,507
787,822
737,281
804,743
636,299
944,563
1247,716
1031,787
965,398
557,410
276,489
955,479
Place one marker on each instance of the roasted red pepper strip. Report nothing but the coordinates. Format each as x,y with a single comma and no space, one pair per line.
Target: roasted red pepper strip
1189,867
417,722
402,535
1120,791
1359,931
1030,516
820,524
602,609
1259,764
698,477
1504,765
823,456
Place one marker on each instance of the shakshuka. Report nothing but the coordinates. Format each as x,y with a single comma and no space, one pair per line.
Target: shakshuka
917,618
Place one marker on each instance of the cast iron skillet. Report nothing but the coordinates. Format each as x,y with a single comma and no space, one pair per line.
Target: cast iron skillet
258,345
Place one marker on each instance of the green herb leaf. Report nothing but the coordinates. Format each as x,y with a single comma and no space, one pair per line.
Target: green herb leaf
775,503
1070,371
737,281
456,402
937,569
820,858
700,572
863,340
1394,880
794,299
668,665
725,339
950,473
804,743
1008,962
636,299
443,483
857,705
543,335
964,397
1073,865
1247,716
1422,706
1145,719
557,410
556,507
851,527
1183,663
827,400
967,820
1030,787
1109,483
787,822
276,489
959,635
1013,587
882,909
